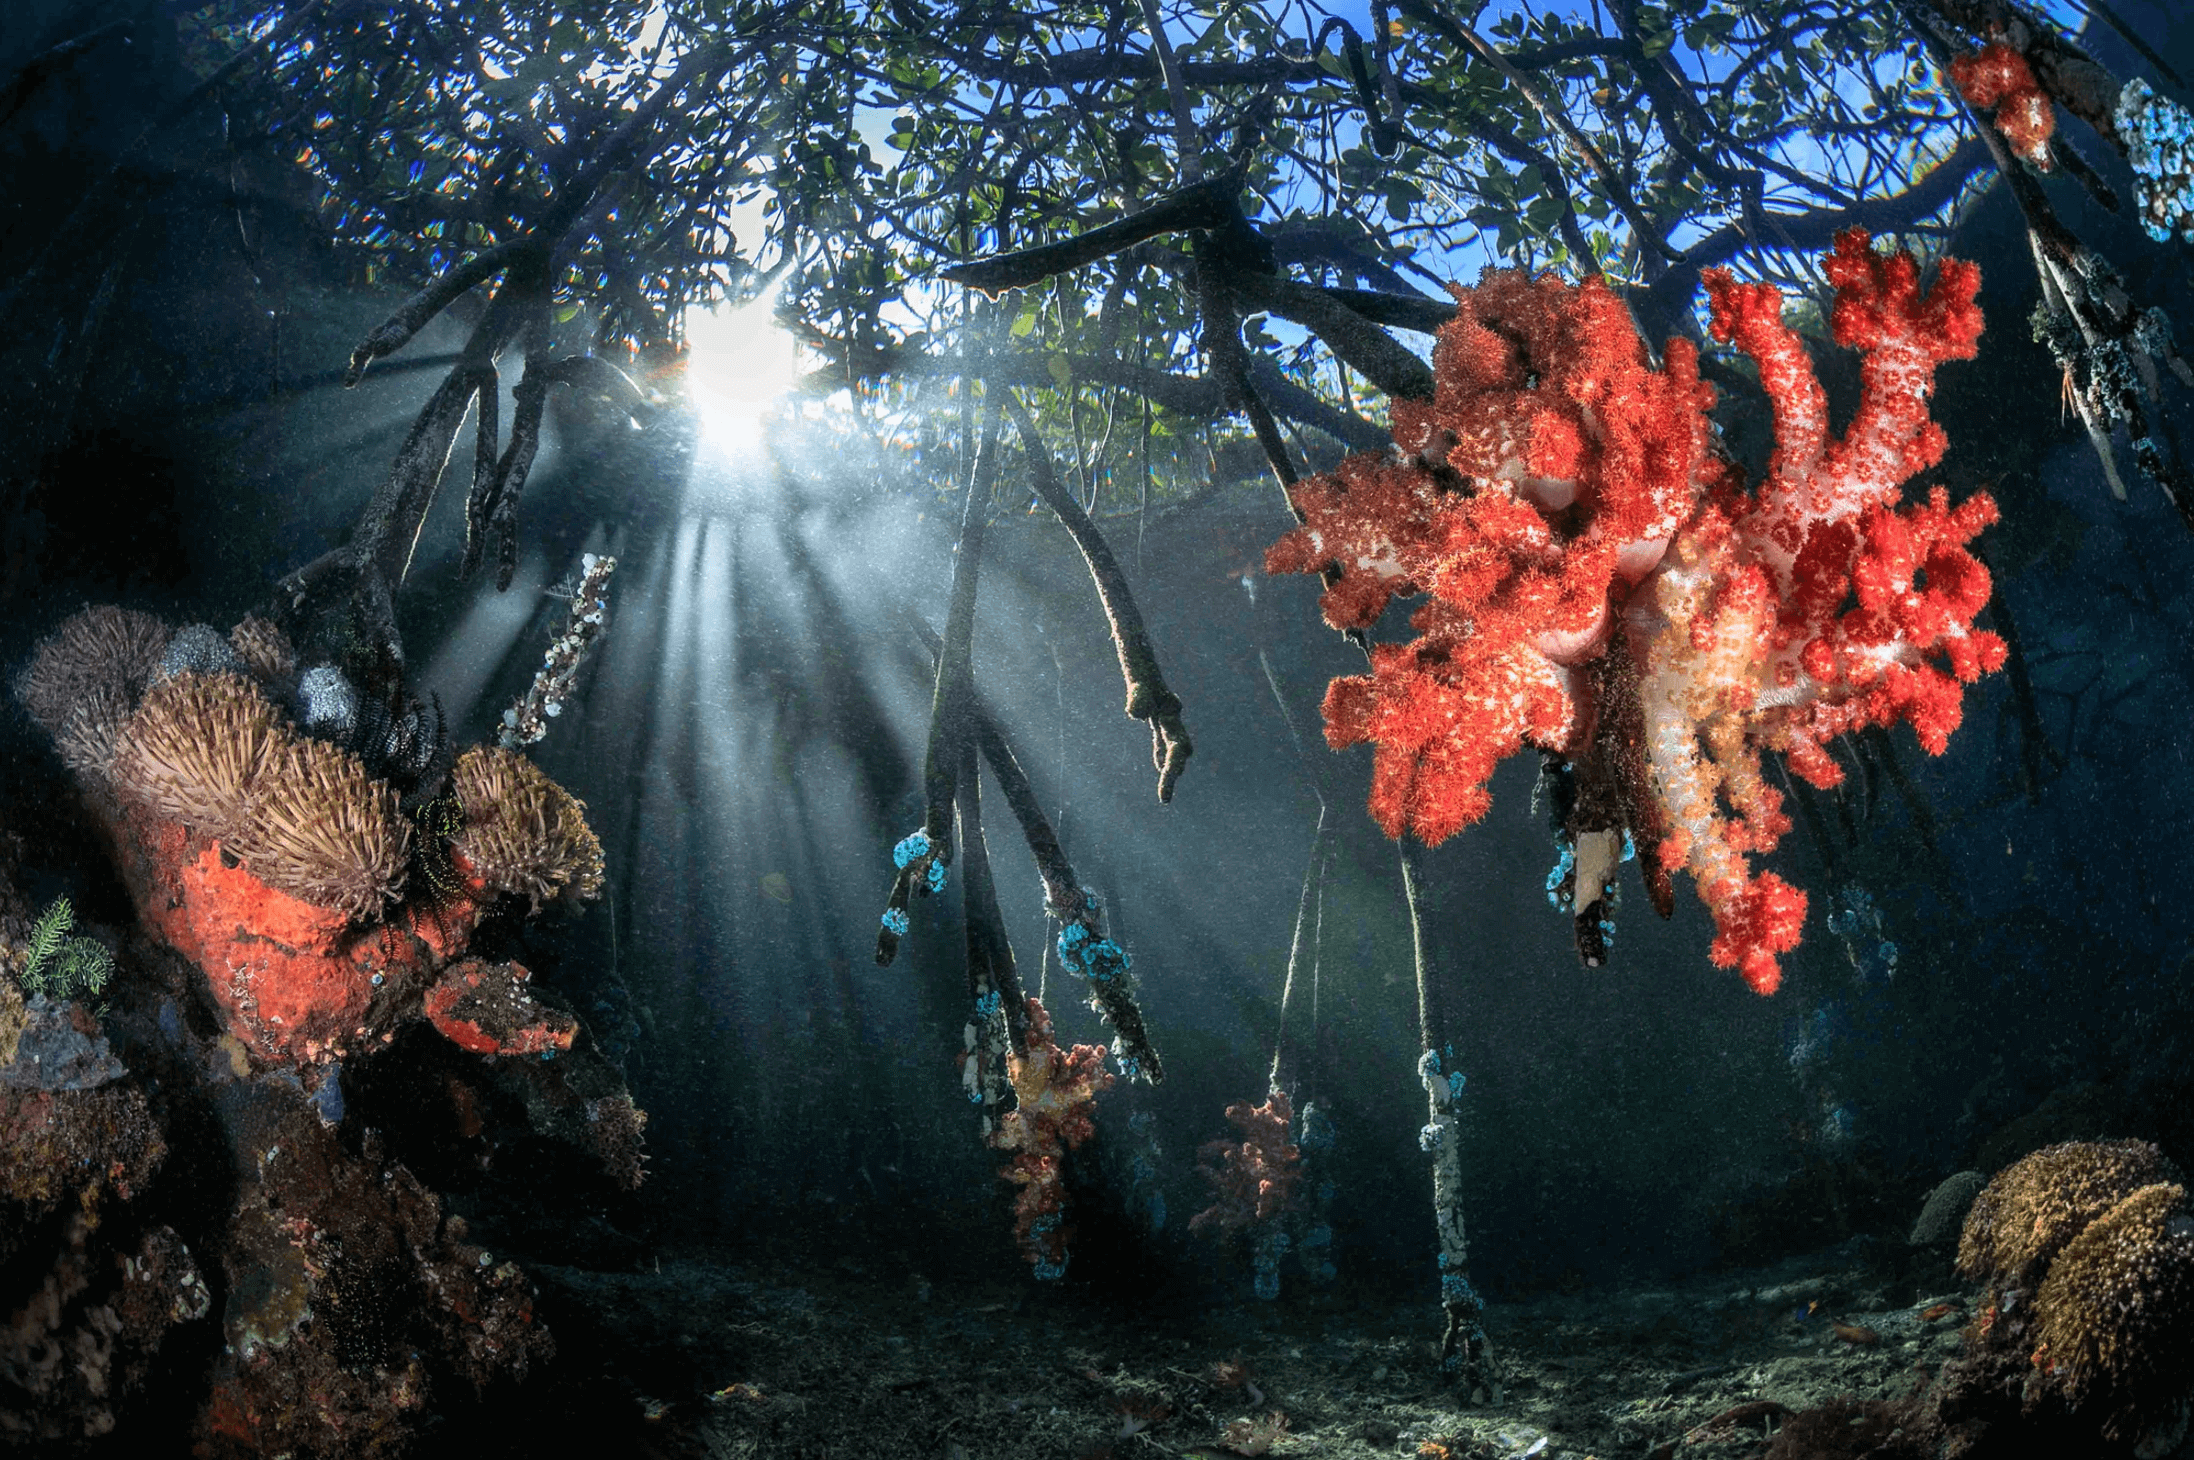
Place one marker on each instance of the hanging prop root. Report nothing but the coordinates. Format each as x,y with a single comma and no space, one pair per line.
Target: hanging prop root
1112,996
998,1023
1148,697
492,509
526,722
923,856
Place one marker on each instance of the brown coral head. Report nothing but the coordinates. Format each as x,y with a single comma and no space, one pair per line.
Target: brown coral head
115,649
320,828
523,833
2114,1314
2028,1212
193,747
264,648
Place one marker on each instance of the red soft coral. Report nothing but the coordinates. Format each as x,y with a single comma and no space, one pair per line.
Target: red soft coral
1559,495
1998,77
1253,1179
1056,1095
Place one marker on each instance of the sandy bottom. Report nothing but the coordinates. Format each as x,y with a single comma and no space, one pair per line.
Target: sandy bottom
740,1361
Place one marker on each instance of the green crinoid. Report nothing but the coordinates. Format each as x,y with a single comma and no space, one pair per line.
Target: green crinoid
62,967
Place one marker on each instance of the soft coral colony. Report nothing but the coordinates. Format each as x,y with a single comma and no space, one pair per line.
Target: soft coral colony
1603,586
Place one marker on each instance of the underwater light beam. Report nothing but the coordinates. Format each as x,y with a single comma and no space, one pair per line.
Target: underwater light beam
739,363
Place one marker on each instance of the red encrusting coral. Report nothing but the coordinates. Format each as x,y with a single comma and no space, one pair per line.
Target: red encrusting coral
1997,78
295,982
1253,1179
484,1008
1602,587
1056,1093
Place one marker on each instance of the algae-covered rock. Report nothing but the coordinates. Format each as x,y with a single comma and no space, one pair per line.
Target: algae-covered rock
1942,1215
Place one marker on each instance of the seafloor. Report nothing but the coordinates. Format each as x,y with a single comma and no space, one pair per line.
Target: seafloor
748,1361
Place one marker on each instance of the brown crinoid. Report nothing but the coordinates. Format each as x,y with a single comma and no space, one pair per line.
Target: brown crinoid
193,748
322,829
524,833
106,647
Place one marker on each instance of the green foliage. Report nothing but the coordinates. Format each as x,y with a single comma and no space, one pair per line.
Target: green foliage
850,148
62,967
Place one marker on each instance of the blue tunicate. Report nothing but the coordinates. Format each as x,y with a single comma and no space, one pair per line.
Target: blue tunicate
895,921
2159,143
1130,1067
989,1004
1455,1288
1104,959
911,848
1271,1247
327,1099
1557,880
1455,1084
935,877
1072,936
1046,1270
1428,1065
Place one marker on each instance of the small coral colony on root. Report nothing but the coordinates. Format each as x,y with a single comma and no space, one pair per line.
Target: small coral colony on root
1602,586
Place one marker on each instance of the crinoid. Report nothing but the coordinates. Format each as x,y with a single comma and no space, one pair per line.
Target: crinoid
435,823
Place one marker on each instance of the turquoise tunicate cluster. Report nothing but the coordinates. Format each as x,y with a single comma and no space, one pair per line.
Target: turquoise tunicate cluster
895,921
1317,1244
1265,1262
1858,922
989,1004
2159,143
1454,1287
1046,1271
1099,959
1429,1073
1560,893
915,847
